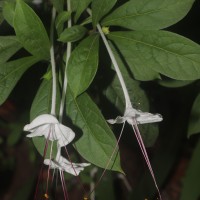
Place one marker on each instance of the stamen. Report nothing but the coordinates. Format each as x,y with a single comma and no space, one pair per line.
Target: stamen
48,174
63,185
78,178
144,152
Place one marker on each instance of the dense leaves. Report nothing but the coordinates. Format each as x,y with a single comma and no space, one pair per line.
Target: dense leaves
72,34
30,31
144,54
151,52
149,15
60,20
96,134
11,72
9,45
100,8
83,64
9,11
79,6
58,4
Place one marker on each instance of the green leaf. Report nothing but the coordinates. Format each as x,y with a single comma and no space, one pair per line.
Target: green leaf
9,11
42,105
97,142
58,4
9,45
191,181
79,6
158,51
83,64
194,120
170,83
100,8
42,101
30,31
1,15
72,34
149,15
60,20
11,72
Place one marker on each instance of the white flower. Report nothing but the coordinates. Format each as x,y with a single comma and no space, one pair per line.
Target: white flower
48,126
132,115
64,165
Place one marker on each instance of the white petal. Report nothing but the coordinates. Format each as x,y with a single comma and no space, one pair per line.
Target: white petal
75,170
65,161
145,117
40,131
118,120
64,134
41,120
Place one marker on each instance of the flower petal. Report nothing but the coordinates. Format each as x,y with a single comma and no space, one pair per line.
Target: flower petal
64,134
65,165
41,120
145,117
118,120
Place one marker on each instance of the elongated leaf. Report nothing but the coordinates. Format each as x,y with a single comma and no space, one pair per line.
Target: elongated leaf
79,6
72,34
60,20
149,15
83,64
194,120
8,46
9,11
42,105
97,142
30,31
11,72
101,8
191,181
160,51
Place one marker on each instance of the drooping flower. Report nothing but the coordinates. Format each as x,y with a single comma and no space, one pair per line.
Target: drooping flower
63,164
135,117
131,115
48,126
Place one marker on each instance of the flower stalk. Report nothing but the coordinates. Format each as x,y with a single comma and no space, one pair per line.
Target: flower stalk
131,115
53,64
68,54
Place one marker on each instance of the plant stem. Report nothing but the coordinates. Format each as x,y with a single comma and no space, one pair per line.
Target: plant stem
53,64
68,54
115,64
